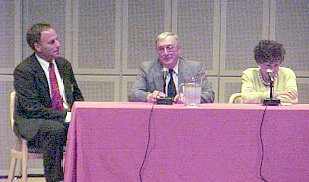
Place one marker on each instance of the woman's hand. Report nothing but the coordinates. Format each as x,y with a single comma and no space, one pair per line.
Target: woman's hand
289,93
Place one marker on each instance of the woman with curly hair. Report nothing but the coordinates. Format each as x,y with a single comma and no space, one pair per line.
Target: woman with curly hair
255,88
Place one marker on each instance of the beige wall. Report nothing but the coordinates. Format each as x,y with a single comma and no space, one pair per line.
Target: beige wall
107,40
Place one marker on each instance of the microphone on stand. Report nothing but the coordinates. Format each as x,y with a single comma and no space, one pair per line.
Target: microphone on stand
164,76
269,73
164,100
271,101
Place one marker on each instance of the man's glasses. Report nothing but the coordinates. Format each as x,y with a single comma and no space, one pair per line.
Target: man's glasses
168,48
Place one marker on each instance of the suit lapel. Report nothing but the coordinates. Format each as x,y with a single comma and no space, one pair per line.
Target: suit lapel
158,80
185,71
181,71
42,80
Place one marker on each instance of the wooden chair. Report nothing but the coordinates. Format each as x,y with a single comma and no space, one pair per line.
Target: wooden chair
20,149
235,98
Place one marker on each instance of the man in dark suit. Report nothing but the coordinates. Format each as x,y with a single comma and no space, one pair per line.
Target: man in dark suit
45,91
150,85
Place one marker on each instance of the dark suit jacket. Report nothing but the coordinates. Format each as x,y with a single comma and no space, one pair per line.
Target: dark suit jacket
149,79
33,101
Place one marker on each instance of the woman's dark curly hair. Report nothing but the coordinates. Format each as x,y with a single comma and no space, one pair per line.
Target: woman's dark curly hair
269,51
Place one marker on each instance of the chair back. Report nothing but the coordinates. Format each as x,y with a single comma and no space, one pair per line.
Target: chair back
235,98
12,108
20,150
17,140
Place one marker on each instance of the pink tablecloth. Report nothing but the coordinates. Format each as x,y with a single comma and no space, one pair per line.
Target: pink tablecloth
215,142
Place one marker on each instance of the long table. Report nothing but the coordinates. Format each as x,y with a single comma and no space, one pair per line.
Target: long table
216,142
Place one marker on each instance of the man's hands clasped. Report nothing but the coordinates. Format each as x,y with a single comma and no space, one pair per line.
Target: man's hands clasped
152,97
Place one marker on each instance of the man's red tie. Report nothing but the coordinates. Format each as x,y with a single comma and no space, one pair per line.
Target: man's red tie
57,101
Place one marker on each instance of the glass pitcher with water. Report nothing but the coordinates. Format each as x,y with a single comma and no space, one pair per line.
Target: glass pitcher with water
191,90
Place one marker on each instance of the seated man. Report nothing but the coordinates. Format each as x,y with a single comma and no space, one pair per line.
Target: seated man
45,91
256,81
171,69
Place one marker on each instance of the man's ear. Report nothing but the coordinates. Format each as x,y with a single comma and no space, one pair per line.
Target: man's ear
37,47
178,47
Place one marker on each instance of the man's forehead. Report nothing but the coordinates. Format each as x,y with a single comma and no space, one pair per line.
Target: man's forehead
165,45
48,34
48,30
169,40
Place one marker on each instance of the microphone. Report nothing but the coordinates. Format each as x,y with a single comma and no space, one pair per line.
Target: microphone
165,100
271,101
269,72
164,75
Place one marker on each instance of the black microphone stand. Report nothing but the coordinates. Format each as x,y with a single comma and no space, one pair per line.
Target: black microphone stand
271,101
165,100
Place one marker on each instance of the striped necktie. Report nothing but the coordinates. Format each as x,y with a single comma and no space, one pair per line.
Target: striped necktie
171,88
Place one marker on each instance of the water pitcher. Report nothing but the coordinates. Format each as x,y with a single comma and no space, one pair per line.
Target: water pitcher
191,91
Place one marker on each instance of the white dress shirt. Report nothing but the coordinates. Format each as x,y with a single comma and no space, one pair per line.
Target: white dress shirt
45,65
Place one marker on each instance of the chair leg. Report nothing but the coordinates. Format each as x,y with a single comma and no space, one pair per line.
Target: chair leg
24,167
12,168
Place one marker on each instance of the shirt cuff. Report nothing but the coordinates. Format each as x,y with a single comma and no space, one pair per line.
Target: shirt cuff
68,117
